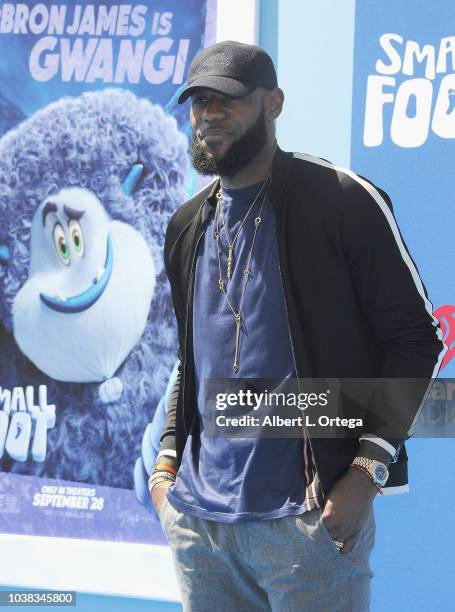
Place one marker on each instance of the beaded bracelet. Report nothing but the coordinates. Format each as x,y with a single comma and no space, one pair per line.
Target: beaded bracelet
166,468
157,479
152,485
164,475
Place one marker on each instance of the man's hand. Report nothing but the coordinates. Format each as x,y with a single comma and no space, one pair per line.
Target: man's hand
159,493
347,507
349,500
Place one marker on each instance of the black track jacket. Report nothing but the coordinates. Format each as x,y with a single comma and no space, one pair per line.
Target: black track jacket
355,303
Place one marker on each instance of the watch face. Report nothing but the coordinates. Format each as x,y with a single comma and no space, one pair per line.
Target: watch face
380,474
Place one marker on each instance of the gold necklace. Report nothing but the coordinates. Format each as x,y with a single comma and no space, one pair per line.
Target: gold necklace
246,275
231,245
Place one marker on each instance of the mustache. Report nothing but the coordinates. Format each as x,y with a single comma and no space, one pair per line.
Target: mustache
213,128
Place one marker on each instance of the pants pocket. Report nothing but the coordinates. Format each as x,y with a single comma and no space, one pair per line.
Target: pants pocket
326,534
365,533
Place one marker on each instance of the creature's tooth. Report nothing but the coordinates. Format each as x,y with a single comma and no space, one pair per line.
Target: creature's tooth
99,273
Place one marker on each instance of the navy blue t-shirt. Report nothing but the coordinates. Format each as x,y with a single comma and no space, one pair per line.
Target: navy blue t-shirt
240,479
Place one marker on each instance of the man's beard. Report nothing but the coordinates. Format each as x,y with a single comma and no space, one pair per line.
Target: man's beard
238,155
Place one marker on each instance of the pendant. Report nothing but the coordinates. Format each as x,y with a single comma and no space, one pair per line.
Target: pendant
238,321
230,261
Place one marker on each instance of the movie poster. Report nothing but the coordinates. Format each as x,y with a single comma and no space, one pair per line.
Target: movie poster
403,134
93,162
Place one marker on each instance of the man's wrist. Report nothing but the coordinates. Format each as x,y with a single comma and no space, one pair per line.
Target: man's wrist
159,490
162,483
166,460
165,470
363,483
374,470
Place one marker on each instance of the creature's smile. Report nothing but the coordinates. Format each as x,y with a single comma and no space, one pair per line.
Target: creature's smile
87,298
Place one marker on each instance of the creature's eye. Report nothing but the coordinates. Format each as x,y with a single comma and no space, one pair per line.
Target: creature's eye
77,238
60,244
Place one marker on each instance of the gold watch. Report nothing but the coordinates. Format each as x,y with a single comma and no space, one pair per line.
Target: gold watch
377,471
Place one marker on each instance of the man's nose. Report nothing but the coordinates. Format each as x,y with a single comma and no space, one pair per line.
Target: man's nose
214,109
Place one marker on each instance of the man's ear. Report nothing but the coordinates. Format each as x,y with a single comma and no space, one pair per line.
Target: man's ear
274,103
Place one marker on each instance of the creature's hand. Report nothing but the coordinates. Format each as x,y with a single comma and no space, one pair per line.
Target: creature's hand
347,507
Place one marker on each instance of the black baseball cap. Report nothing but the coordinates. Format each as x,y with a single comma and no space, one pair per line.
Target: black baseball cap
232,68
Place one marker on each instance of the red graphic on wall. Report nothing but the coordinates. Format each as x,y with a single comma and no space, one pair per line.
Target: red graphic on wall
446,316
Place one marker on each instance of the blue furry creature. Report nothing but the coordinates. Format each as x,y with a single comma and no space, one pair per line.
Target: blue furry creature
87,186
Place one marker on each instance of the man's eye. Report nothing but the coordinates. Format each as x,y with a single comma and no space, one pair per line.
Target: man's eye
199,100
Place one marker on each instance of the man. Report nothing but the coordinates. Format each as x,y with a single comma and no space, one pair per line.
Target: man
285,266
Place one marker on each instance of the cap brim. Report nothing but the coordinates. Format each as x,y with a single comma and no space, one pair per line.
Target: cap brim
221,84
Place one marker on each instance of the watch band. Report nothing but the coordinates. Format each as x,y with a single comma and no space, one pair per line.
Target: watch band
375,470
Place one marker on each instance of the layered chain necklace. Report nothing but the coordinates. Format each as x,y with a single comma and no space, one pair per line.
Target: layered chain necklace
246,271
231,245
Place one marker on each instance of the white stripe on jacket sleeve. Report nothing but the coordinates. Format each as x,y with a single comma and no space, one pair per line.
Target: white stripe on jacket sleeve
404,254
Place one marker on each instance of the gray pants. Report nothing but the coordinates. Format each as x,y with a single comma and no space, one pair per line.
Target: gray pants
287,564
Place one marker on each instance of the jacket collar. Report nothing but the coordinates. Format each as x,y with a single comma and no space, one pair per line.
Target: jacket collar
282,163
210,200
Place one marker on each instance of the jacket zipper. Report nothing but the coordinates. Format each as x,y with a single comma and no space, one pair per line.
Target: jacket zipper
293,357
288,325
